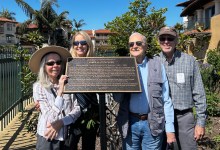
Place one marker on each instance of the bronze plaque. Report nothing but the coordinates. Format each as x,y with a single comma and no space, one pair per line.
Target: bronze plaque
102,74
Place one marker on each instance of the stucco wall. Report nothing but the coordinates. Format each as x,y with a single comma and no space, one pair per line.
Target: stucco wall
215,28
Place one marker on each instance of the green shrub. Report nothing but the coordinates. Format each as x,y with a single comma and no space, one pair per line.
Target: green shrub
211,78
212,103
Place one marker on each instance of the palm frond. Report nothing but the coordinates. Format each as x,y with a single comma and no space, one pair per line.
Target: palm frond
28,10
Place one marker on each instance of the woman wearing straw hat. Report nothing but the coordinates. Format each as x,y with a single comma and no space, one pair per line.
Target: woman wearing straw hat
56,109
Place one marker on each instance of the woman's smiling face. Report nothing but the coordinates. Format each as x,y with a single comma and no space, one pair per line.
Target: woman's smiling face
53,71
81,47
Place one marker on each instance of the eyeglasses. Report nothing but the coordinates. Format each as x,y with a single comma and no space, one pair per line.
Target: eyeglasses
169,39
76,43
138,43
51,63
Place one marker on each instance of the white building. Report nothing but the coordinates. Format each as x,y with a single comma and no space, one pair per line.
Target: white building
8,32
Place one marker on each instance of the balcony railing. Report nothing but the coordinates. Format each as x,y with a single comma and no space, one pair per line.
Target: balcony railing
9,41
101,37
194,24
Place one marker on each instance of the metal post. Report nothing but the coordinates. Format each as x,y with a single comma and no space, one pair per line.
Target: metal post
20,48
102,114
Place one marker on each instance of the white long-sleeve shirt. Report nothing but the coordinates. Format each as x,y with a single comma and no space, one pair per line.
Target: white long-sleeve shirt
53,109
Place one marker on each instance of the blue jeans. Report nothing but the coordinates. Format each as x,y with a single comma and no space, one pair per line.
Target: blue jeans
139,136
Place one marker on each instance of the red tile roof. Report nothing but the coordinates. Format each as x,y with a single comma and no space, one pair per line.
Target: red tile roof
7,20
89,32
98,31
32,26
103,31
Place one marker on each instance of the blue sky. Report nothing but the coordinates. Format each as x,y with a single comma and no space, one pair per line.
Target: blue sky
96,12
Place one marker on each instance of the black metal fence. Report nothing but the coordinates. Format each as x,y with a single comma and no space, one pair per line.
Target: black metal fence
12,100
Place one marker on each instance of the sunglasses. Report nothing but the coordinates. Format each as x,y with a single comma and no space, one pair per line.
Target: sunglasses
76,43
51,63
138,43
169,39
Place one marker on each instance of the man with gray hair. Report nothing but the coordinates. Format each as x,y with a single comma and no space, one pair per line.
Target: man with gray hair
143,116
186,90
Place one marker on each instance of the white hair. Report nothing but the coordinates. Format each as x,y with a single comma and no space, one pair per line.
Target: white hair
144,39
43,78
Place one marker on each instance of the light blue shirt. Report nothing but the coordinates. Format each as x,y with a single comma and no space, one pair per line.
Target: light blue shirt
139,102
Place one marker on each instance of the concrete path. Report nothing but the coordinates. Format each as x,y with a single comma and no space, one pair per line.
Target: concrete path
15,135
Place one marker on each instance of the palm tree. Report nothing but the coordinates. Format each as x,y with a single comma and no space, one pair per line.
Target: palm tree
57,23
6,14
179,27
45,18
78,24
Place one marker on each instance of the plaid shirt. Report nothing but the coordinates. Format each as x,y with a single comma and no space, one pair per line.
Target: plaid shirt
52,109
186,86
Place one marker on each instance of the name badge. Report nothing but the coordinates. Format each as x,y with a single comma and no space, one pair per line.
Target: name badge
180,78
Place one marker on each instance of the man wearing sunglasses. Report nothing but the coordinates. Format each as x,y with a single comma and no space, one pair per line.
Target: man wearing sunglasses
186,90
143,116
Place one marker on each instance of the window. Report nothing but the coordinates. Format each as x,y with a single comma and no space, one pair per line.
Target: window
9,38
1,28
9,26
209,12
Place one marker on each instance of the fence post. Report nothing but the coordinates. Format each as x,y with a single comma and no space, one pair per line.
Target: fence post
102,113
20,48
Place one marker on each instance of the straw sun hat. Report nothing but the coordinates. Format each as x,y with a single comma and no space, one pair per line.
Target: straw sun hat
34,62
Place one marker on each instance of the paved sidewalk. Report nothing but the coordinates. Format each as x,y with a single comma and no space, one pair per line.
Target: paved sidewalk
15,135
